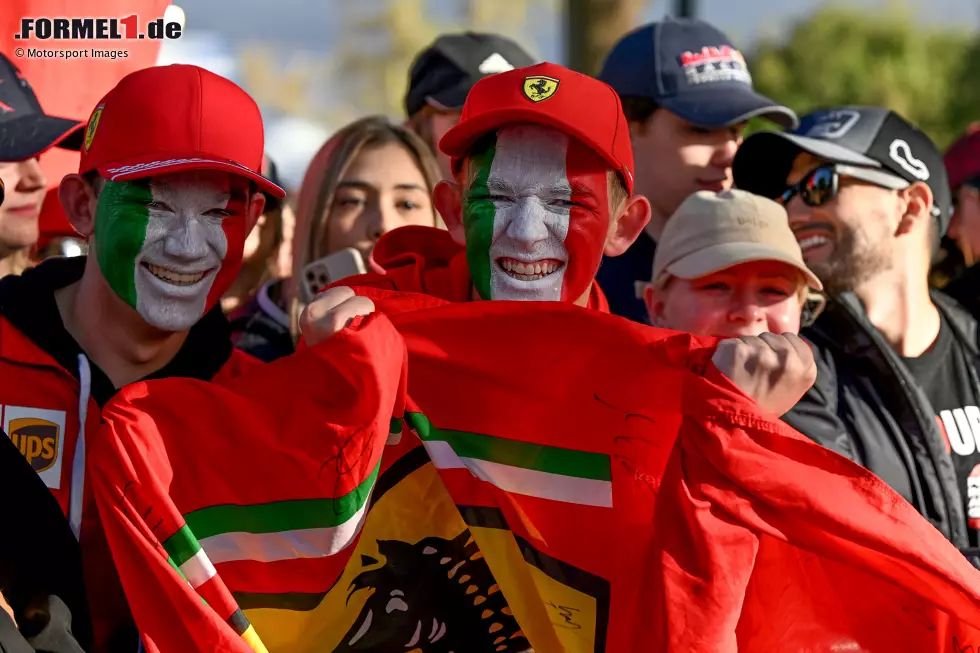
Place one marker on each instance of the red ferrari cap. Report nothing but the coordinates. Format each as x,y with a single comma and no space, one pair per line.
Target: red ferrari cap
546,94
166,119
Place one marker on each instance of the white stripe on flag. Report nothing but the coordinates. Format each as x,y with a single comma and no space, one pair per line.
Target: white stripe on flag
198,569
395,437
286,545
529,482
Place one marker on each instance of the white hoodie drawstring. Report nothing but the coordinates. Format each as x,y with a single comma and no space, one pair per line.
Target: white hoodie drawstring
78,464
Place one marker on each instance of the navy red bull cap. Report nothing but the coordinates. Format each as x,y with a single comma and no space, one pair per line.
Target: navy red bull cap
691,69
551,95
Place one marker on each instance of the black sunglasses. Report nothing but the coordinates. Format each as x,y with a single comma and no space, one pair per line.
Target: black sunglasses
821,184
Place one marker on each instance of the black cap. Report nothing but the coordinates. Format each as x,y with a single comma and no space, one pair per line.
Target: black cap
691,69
872,137
271,172
443,74
25,130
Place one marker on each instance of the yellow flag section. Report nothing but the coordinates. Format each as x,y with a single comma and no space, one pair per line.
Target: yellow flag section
428,576
555,616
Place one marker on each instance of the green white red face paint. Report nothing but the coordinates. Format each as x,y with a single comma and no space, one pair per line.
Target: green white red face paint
536,215
171,246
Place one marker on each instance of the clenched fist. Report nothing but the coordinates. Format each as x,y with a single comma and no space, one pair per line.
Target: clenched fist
331,311
775,370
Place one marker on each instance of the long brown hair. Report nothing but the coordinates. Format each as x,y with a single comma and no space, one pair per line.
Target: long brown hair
324,174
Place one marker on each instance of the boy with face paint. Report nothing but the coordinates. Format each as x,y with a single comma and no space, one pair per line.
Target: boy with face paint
167,189
543,189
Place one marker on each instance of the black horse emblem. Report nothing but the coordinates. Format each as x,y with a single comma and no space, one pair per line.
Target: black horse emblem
435,596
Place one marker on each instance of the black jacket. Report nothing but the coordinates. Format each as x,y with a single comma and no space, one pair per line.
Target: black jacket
40,564
260,327
966,289
866,405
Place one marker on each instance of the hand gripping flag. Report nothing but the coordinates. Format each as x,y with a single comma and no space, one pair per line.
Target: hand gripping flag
565,481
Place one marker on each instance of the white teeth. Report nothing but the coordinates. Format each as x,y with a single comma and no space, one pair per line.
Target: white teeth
813,241
174,277
529,271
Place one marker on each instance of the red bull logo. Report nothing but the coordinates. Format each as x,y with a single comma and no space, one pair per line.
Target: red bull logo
721,63
712,55
37,440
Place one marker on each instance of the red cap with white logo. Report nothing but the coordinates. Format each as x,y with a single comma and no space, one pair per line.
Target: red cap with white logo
175,118
551,95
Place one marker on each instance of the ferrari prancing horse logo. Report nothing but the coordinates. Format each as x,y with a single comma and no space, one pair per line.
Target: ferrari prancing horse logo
93,124
540,88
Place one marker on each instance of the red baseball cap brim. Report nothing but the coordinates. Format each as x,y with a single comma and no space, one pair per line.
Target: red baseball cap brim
459,140
170,162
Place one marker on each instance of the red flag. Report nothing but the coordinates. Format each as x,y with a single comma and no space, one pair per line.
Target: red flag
570,482
305,421
727,531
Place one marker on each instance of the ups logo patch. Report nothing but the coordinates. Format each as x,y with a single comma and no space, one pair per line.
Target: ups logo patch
37,439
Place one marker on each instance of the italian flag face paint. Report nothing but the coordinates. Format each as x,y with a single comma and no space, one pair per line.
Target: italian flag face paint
536,215
170,247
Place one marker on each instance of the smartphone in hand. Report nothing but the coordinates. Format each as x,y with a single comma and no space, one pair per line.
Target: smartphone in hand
322,272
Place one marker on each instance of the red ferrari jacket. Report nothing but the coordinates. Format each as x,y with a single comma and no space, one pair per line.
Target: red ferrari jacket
51,396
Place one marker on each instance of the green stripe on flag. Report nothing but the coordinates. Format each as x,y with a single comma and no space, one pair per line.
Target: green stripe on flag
526,455
281,516
479,213
176,568
396,425
181,546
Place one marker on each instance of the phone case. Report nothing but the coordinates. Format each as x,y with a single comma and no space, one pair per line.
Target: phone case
320,273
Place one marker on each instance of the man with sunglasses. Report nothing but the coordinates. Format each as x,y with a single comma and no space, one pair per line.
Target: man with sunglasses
897,388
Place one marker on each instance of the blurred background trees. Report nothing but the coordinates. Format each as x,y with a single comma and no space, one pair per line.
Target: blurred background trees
843,55
594,26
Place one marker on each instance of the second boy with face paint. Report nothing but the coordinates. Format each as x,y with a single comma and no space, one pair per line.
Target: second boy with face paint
544,188
543,192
